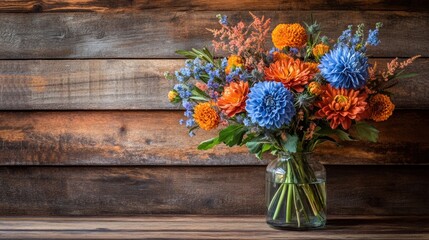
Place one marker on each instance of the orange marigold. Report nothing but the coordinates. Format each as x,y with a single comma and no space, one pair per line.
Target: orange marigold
315,88
320,49
233,61
380,107
234,97
289,35
340,106
293,73
205,116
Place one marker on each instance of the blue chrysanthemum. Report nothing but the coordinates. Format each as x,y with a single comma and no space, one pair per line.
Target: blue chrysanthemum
270,105
344,67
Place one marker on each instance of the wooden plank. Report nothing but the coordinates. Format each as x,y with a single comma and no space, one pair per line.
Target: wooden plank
208,227
28,6
352,190
131,84
156,138
92,35
85,84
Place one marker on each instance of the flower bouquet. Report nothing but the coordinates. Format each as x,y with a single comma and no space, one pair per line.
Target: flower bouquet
306,90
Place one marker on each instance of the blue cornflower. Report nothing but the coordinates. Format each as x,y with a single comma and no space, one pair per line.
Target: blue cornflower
270,105
343,67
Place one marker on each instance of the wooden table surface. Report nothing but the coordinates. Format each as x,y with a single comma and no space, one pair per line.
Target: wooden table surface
207,227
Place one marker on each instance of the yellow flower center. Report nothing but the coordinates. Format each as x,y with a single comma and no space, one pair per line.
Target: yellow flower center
341,102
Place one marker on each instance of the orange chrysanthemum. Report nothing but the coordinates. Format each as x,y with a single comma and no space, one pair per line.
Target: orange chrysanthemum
380,107
315,88
293,73
205,116
233,61
289,35
340,106
234,97
320,49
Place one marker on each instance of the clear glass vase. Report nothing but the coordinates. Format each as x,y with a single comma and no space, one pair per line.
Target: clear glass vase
295,192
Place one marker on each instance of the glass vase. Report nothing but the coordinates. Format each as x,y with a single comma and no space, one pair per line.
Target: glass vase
295,192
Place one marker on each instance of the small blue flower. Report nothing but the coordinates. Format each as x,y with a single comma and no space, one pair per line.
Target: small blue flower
188,105
188,113
294,51
191,134
224,63
179,76
186,72
181,121
223,19
212,84
208,67
343,67
190,122
246,122
189,63
355,40
346,35
270,105
373,37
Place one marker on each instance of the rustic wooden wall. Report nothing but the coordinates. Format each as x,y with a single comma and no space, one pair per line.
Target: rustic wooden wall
68,69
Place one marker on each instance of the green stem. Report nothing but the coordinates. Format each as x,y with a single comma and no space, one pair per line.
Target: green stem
279,203
294,191
289,195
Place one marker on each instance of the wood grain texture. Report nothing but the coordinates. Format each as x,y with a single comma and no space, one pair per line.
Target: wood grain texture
156,138
85,84
157,33
131,84
208,227
37,6
115,191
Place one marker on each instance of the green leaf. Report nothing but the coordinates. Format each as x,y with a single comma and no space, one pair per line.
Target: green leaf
205,145
187,54
198,92
265,147
232,135
328,131
255,145
365,132
291,143
198,98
